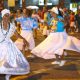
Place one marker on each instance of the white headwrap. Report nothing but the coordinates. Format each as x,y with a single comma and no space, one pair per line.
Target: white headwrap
5,11
55,10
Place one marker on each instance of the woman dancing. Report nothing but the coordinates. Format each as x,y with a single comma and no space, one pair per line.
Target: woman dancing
57,42
27,26
12,62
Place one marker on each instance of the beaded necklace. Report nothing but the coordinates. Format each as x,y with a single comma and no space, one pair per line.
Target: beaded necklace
5,34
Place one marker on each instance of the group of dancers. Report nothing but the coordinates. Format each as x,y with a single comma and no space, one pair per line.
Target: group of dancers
12,61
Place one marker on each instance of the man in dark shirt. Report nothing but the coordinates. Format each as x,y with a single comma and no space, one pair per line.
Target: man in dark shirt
77,18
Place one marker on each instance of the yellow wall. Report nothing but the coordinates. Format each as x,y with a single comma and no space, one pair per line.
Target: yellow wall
11,3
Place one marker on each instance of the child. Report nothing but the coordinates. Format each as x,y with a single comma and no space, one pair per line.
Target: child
45,30
72,23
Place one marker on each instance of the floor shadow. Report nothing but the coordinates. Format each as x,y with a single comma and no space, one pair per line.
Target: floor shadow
2,77
37,76
71,67
72,59
39,60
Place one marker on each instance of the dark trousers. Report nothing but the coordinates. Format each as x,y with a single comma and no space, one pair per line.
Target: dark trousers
79,28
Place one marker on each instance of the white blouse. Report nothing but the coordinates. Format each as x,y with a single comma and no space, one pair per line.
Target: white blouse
7,34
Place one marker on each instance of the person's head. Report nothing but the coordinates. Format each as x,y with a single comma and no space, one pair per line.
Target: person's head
72,13
54,12
44,8
34,11
24,10
18,11
45,23
5,14
78,11
27,12
39,11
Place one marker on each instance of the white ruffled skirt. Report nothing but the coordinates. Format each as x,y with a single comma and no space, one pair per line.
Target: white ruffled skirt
55,43
28,35
12,60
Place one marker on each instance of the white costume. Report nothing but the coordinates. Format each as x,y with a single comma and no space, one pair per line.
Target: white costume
56,42
12,60
27,25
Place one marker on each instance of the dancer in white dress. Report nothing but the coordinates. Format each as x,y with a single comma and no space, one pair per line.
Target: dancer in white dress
12,61
57,41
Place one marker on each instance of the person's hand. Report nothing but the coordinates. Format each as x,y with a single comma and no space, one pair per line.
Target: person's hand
25,43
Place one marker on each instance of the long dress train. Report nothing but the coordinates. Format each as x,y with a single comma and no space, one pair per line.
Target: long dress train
55,43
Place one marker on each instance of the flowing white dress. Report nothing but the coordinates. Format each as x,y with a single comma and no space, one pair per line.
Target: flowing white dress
12,60
55,43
